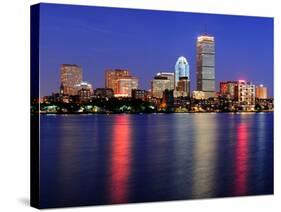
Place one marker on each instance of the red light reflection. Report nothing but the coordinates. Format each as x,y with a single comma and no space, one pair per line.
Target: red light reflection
241,160
120,159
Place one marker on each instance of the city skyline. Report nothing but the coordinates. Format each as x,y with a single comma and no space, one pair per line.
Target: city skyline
240,61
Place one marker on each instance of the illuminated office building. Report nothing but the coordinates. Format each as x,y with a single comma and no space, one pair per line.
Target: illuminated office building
170,76
112,75
70,75
159,84
125,85
205,70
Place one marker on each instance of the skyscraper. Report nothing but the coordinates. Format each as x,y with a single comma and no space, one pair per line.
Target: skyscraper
183,88
112,75
159,84
181,70
170,76
70,75
205,70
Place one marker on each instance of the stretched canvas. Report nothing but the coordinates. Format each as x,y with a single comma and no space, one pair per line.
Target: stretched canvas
133,105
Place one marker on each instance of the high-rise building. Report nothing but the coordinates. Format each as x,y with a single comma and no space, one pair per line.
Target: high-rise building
181,70
112,75
170,76
125,85
159,84
245,94
183,88
70,75
261,92
227,88
205,70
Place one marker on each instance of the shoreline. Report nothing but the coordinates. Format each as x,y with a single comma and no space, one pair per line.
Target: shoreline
154,113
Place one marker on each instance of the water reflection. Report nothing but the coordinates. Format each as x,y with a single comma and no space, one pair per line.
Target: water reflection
120,159
204,162
134,158
241,159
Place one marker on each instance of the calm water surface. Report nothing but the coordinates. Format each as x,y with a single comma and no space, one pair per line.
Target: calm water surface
104,159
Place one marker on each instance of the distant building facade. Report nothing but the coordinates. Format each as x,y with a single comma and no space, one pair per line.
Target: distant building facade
104,93
227,89
121,81
183,87
84,91
85,86
245,94
125,85
181,70
198,95
159,84
139,94
205,65
70,75
261,92
170,76
84,95
112,75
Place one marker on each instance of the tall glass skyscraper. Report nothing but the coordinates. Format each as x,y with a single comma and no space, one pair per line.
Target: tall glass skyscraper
181,69
205,72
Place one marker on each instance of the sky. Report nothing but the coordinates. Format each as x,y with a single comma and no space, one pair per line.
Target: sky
147,42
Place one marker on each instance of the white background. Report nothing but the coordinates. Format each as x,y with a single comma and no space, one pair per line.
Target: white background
14,105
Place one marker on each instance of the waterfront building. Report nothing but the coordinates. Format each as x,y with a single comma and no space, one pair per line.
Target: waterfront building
121,81
261,92
84,95
245,94
84,91
181,70
227,89
112,75
170,76
125,85
158,85
70,75
85,86
205,65
198,95
104,93
139,94
183,88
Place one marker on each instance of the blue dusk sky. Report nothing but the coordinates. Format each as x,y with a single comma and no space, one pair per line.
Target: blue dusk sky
149,41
